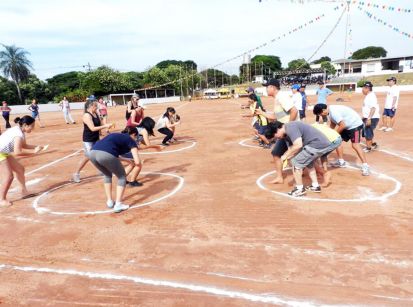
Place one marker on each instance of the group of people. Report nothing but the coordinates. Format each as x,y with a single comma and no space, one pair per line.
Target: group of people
307,145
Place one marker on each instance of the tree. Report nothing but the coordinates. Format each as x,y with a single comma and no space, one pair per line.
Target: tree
33,87
15,65
214,77
298,64
189,64
63,83
260,65
369,52
136,79
321,60
330,69
8,91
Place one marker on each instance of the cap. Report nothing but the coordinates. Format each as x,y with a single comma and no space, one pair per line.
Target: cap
295,87
273,82
392,79
140,104
91,98
250,89
368,84
135,96
303,86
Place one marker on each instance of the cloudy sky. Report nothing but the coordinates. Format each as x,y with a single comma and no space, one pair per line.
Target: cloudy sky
136,34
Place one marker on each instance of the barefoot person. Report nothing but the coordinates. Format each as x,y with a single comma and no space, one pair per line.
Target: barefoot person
165,126
371,115
5,110
13,144
65,105
34,108
105,157
349,125
284,112
91,132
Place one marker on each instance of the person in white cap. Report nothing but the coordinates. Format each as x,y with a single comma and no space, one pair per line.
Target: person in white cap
390,105
371,115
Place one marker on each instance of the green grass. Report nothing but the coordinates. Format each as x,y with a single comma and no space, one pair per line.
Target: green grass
402,79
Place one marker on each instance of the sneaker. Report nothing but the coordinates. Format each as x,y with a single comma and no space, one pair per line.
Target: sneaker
388,129
297,192
135,183
383,128
119,207
266,146
365,171
256,138
261,143
374,146
110,204
367,149
76,177
339,163
313,189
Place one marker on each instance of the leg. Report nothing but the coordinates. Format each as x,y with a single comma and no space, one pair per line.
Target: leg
298,176
279,149
7,119
169,134
135,172
392,120
98,159
65,114
360,152
340,152
313,175
82,164
70,117
18,169
7,176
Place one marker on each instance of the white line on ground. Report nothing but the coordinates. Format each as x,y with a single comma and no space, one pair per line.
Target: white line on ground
170,151
29,183
53,162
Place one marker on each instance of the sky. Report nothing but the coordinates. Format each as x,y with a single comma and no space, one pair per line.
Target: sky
133,35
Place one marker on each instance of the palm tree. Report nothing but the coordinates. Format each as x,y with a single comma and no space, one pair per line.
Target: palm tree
15,65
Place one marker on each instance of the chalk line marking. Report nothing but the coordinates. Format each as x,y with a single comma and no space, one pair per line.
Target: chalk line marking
383,197
29,183
193,143
53,162
41,210
400,155
242,143
262,298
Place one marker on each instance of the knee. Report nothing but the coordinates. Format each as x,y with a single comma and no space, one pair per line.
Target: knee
108,179
122,181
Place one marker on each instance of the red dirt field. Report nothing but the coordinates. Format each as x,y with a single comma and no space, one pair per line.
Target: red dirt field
219,239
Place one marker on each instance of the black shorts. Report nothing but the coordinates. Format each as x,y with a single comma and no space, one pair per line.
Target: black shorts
302,114
353,134
279,148
368,131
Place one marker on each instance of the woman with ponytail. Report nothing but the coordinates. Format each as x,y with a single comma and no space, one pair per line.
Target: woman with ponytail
13,144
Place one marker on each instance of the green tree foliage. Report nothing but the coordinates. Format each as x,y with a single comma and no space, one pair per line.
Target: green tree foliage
328,67
63,83
8,91
188,65
321,60
136,79
369,52
33,87
15,65
260,65
215,78
298,64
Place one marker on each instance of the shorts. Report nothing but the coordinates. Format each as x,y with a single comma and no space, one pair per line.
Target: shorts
87,147
308,155
35,114
3,156
333,146
279,148
302,114
368,132
353,134
389,112
261,129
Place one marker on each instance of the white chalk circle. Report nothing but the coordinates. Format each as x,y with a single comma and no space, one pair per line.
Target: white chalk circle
192,144
36,205
397,187
242,143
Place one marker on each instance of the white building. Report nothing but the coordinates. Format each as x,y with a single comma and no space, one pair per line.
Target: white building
374,66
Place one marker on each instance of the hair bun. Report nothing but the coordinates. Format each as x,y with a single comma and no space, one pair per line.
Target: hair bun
17,119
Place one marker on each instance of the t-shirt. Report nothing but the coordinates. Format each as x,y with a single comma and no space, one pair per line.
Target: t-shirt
309,135
370,101
65,105
392,92
322,95
329,133
103,110
282,107
262,120
116,144
338,113
298,101
7,139
304,100
162,122
138,118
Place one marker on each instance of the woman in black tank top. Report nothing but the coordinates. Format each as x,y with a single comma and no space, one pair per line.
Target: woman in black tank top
91,132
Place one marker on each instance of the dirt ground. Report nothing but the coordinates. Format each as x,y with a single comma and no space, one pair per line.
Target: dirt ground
208,234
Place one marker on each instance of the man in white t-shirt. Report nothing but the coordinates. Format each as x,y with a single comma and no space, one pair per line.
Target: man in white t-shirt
371,115
297,99
390,105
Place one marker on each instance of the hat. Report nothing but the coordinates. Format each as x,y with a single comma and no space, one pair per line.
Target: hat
135,96
140,104
303,86
295,87
320,82
392,79
368,84
273,82
91,98
250,89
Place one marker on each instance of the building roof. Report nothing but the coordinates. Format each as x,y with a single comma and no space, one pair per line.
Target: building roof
340,61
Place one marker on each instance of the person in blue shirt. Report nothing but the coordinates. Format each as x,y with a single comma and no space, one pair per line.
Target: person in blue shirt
105,156
304,102
322,93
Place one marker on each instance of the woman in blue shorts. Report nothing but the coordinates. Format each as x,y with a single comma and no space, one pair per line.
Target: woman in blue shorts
34,108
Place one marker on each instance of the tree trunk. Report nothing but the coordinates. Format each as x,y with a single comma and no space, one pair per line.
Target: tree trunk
19,92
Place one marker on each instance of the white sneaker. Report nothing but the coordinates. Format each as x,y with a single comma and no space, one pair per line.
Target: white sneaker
388,129
339,163
365,171
76,177
110,204
119,207
383,128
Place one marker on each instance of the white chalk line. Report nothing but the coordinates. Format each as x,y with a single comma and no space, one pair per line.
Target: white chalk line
54,162
29,183
262,298
242,143
193,143
383,197
400,155
40,210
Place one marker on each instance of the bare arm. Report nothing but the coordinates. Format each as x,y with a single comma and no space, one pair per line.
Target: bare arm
147,144
293,114
265,114
87,119
340,127
135,156
133,116
293,150
20,149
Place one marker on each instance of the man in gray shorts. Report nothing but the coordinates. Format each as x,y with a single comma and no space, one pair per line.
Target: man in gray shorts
306,145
